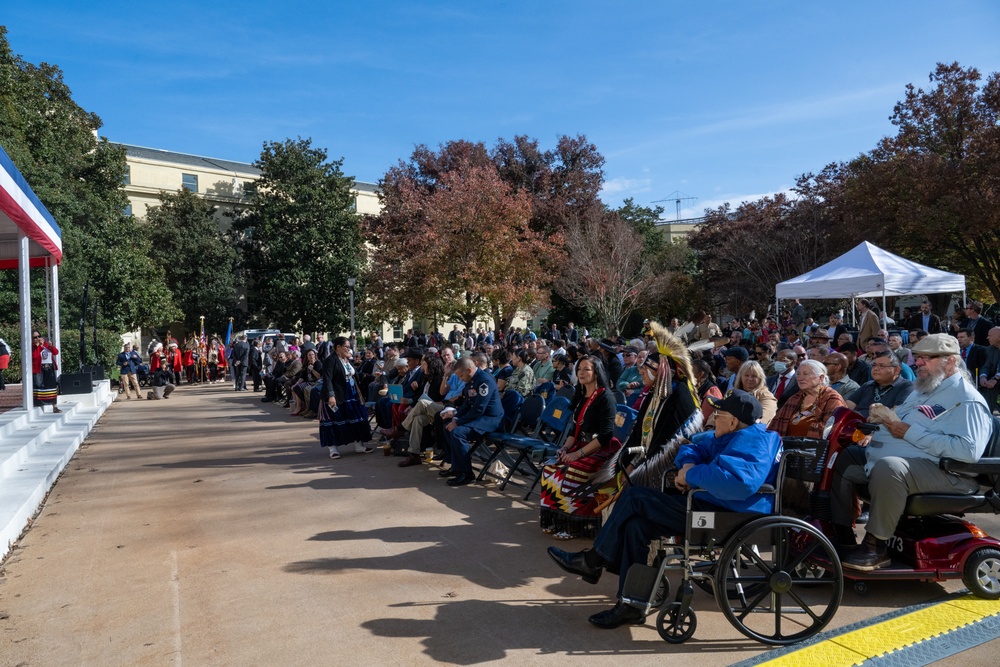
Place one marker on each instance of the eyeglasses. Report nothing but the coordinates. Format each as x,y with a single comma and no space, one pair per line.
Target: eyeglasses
801,356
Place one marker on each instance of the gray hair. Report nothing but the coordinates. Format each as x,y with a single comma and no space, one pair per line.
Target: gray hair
817,368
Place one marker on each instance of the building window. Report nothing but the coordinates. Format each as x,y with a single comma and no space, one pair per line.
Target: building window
128,210
397,331
189,182
354,204
128,174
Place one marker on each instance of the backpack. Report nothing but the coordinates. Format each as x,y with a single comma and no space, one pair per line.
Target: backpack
4,348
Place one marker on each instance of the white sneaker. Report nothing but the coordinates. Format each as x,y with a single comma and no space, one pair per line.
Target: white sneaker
334,453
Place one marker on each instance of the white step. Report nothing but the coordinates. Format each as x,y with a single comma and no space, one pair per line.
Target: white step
34,450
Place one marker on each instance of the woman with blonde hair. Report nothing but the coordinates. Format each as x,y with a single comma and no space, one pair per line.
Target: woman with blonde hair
751,379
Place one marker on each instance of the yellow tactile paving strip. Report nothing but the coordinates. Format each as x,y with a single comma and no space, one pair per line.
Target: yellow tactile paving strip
853,648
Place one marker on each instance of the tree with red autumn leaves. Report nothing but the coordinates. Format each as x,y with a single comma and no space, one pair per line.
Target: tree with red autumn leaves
469,233
454,238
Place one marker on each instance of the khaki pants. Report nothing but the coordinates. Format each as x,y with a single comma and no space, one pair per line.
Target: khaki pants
892,479
419,417
127,381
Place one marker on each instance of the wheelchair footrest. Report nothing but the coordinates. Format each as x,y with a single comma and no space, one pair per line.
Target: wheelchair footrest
640,582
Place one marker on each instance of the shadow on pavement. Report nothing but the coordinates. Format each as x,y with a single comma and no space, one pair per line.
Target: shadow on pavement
545,626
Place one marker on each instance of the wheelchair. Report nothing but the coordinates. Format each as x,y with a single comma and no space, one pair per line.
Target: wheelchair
777,579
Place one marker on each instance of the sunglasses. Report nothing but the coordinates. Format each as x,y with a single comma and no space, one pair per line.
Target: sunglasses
801,356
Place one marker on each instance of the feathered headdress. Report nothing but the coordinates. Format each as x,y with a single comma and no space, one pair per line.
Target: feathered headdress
674,349
675,362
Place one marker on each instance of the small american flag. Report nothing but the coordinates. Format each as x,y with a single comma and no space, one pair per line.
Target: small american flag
931,411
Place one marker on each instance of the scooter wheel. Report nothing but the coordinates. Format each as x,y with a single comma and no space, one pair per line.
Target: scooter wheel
982,573
861,587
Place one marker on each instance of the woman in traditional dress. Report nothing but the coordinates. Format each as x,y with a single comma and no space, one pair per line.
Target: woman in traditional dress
342,418
43,370
668,416
4,361
223,362
187,358
312,371
565,512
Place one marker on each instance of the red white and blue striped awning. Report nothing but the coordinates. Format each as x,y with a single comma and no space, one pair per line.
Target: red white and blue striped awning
21,211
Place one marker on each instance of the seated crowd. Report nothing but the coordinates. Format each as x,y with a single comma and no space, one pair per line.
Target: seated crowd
711,419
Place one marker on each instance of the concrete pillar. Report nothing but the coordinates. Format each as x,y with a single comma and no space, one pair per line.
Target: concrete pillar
24,279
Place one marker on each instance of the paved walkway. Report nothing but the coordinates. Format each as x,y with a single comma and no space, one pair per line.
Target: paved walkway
210,529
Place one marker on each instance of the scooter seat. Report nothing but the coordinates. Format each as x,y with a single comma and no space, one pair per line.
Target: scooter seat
926,504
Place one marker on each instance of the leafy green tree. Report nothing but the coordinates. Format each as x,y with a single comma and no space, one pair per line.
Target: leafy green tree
643,219
299,239
199,262
79,179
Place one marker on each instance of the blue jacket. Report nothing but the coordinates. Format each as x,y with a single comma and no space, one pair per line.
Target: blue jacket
481,410
733,467
129,362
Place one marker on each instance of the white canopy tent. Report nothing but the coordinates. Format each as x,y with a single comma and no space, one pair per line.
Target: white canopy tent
869,271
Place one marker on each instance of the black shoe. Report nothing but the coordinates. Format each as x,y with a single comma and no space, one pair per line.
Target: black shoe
266,400
446,473
461,479
410,460
620,614
871,555
575,563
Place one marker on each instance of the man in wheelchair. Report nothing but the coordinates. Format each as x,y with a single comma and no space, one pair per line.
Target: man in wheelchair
945,416
730,464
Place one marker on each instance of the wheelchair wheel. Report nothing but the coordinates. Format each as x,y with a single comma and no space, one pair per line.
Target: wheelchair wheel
788,576
674,628
982,573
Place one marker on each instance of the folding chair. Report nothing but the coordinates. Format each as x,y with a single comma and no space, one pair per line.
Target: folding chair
546,390
522,422
624,421
511,402
552,431
619,397
566,392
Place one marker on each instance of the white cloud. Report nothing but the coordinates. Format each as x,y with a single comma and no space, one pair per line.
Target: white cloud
734,200
625,187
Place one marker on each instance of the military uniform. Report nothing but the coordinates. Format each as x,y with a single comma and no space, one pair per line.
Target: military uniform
481,413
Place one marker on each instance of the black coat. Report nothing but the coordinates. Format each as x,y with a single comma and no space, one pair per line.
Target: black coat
241,353
791,388
917,322
599,420
334,380
975,359
256,359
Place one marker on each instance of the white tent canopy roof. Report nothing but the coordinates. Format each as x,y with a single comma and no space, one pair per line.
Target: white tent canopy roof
869,271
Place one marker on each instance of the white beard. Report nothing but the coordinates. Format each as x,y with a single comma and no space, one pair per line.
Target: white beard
929,382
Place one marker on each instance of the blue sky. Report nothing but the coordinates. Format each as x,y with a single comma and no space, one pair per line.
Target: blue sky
718,100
